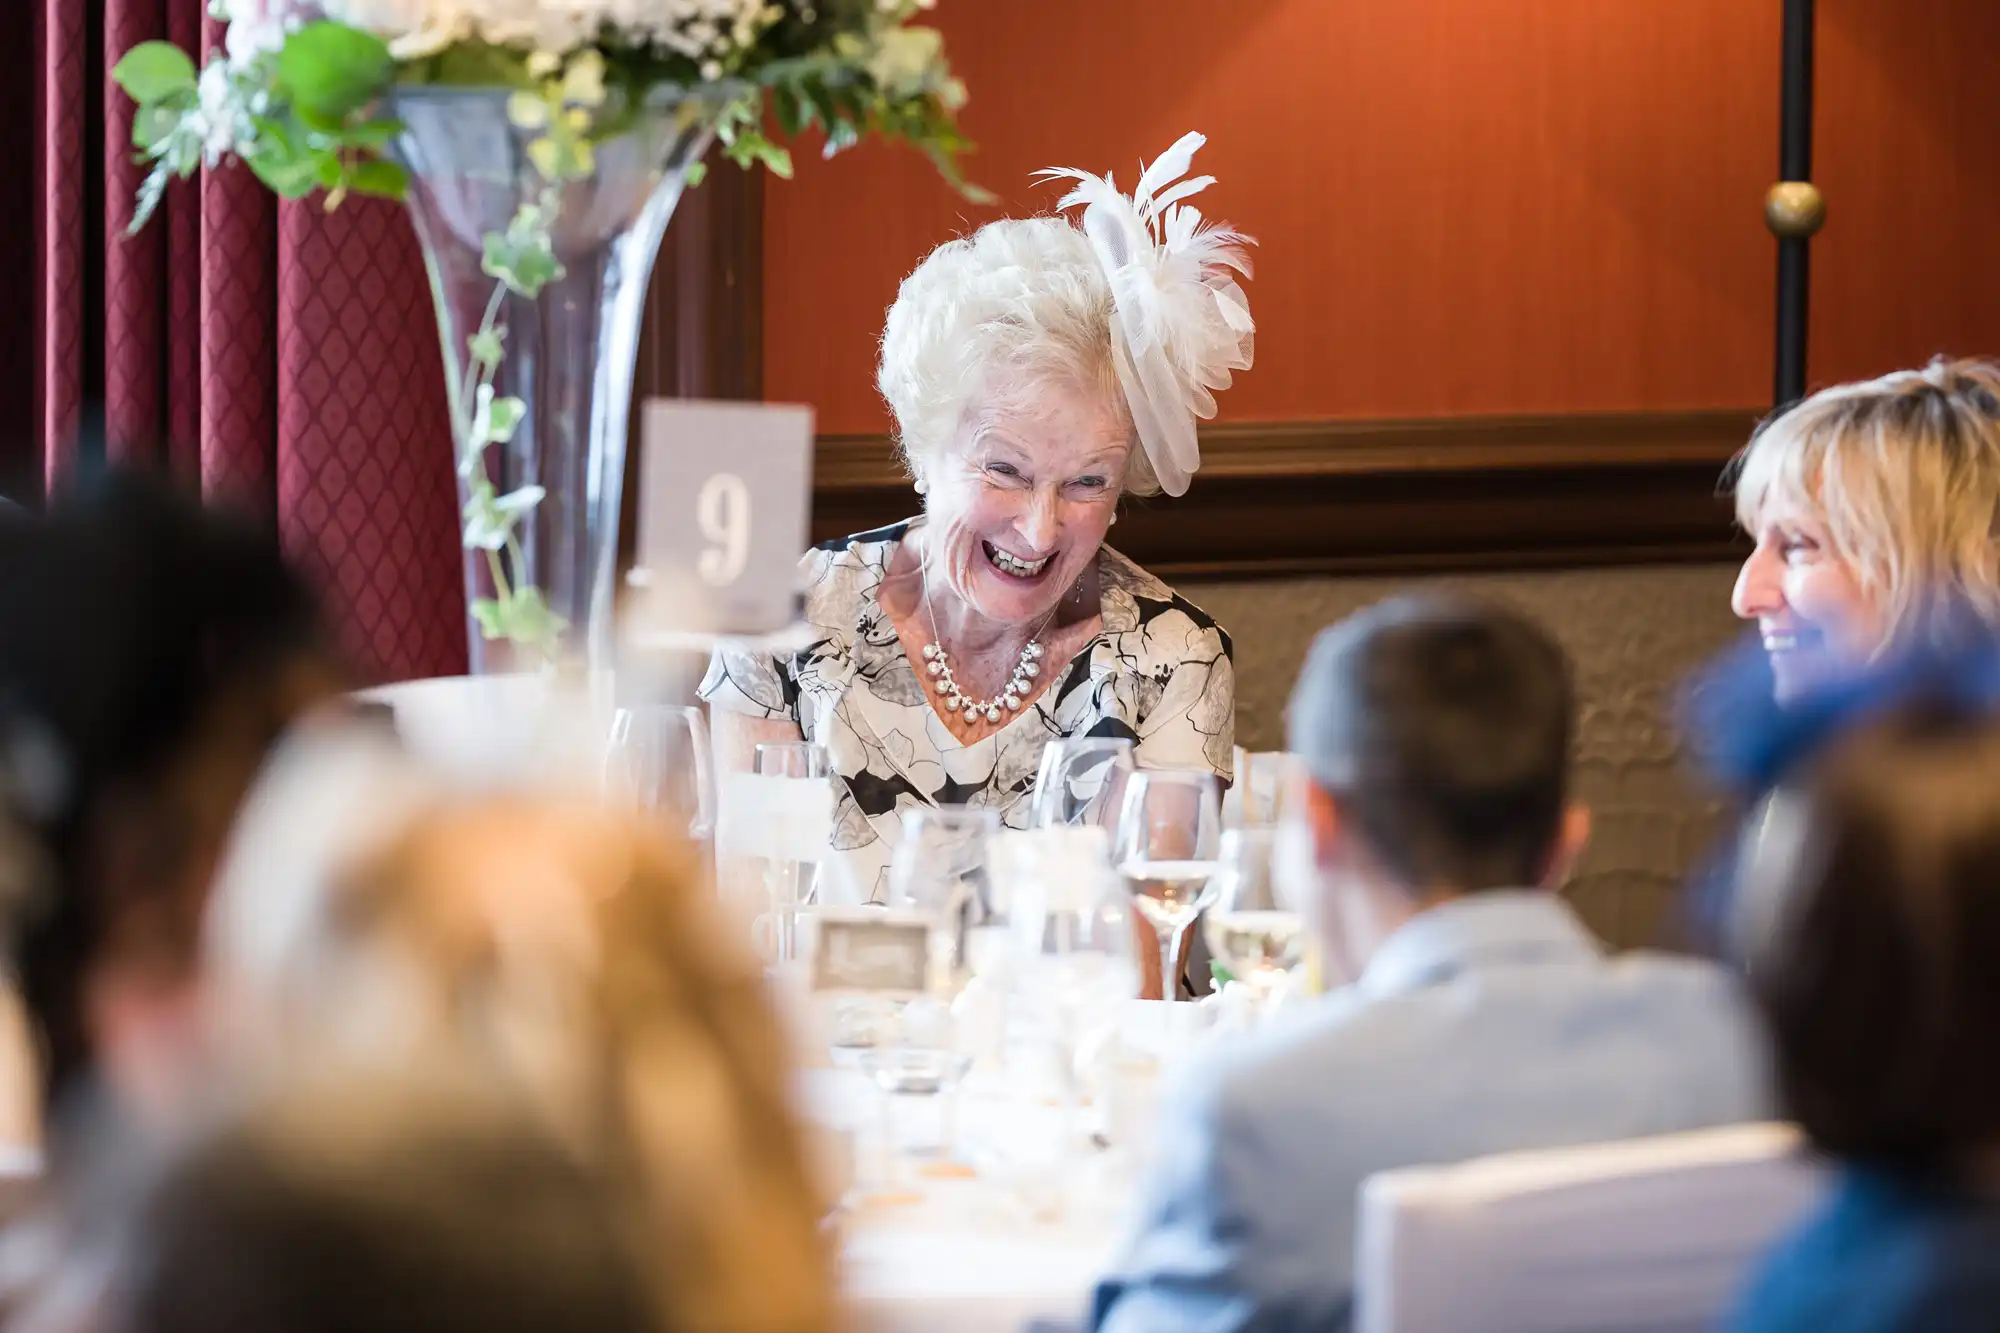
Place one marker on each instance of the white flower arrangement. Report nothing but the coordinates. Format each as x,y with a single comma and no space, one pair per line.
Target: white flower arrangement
297,88
301,93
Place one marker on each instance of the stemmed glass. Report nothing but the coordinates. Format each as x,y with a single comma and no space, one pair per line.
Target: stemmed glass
789,879
1258,791
1253,927
1082,781
940,871
658,761
1168,841
1074,924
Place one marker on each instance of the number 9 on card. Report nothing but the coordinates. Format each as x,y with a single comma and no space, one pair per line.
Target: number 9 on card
725,490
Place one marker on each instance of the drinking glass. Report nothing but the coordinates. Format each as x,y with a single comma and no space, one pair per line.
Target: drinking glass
1257,793
1079,955
1168,840
940,871
1082,781
1251,926
658,761
789,881
793,759
918,1089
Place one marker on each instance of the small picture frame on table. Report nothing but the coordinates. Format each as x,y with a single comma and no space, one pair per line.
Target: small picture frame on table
866,952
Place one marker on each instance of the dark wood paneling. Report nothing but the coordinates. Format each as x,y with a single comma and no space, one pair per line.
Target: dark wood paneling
1378,497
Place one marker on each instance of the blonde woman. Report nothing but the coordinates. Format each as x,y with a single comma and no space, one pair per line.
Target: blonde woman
1873,508
369,918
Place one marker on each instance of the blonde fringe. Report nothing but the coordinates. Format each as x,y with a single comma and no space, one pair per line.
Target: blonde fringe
1904,474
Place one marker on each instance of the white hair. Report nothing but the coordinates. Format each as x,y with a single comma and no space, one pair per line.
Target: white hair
1018,306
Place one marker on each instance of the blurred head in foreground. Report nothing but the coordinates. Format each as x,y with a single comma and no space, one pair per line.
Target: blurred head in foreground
359,1205
1435,734
560,952
150,653
1879,856
1873,506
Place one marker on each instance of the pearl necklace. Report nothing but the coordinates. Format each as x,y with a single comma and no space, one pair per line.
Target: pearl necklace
938,663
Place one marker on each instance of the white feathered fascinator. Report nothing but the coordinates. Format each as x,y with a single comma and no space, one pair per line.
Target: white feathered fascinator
1180,323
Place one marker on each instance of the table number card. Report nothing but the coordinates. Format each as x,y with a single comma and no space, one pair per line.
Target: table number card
724,494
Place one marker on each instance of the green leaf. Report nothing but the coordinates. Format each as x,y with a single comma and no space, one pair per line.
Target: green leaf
320,122
485,528
487,348
183,155
790,110
840,138
522,615
473,64
504,415
752,147
332,69
697,172
491,618
328,172
524,259
530,622
154,124
290,175
274,136
374,135
378,176
152,71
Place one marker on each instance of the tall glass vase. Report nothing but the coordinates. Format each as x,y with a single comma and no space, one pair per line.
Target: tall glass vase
540,495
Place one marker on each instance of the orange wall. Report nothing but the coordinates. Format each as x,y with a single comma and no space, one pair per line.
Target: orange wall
1908,154
1463,208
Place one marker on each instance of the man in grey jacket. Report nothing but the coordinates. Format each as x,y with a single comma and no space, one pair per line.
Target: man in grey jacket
1483,1017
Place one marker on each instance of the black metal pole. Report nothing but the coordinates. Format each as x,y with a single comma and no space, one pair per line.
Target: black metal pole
1794,164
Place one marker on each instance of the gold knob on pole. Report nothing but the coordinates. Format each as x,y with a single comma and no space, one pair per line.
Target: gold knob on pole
1794,210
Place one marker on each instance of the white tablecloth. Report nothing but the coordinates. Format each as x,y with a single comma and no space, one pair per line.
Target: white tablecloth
929,1255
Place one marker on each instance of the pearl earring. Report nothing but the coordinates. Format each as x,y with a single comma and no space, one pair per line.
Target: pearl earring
923,487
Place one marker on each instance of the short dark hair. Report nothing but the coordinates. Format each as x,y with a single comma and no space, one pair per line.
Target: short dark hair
431,1216
1877,978
1444,727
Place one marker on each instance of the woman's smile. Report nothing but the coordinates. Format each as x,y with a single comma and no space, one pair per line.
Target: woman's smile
1016,568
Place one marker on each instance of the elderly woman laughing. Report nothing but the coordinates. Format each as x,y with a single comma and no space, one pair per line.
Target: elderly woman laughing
1037,371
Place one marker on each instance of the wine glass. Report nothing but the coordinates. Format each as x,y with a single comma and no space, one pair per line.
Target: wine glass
658,761
789,879
1074,923
793,759
1251,926
1082,781
1168,840
1255,796
939,870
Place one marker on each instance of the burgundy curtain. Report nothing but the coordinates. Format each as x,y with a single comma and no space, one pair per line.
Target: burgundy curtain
279,356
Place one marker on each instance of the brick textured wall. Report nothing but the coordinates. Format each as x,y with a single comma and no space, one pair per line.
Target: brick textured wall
1634,634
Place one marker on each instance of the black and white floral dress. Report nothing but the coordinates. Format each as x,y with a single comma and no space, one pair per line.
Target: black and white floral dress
1159,673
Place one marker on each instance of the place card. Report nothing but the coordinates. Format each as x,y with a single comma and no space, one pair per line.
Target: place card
725,490
874,952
